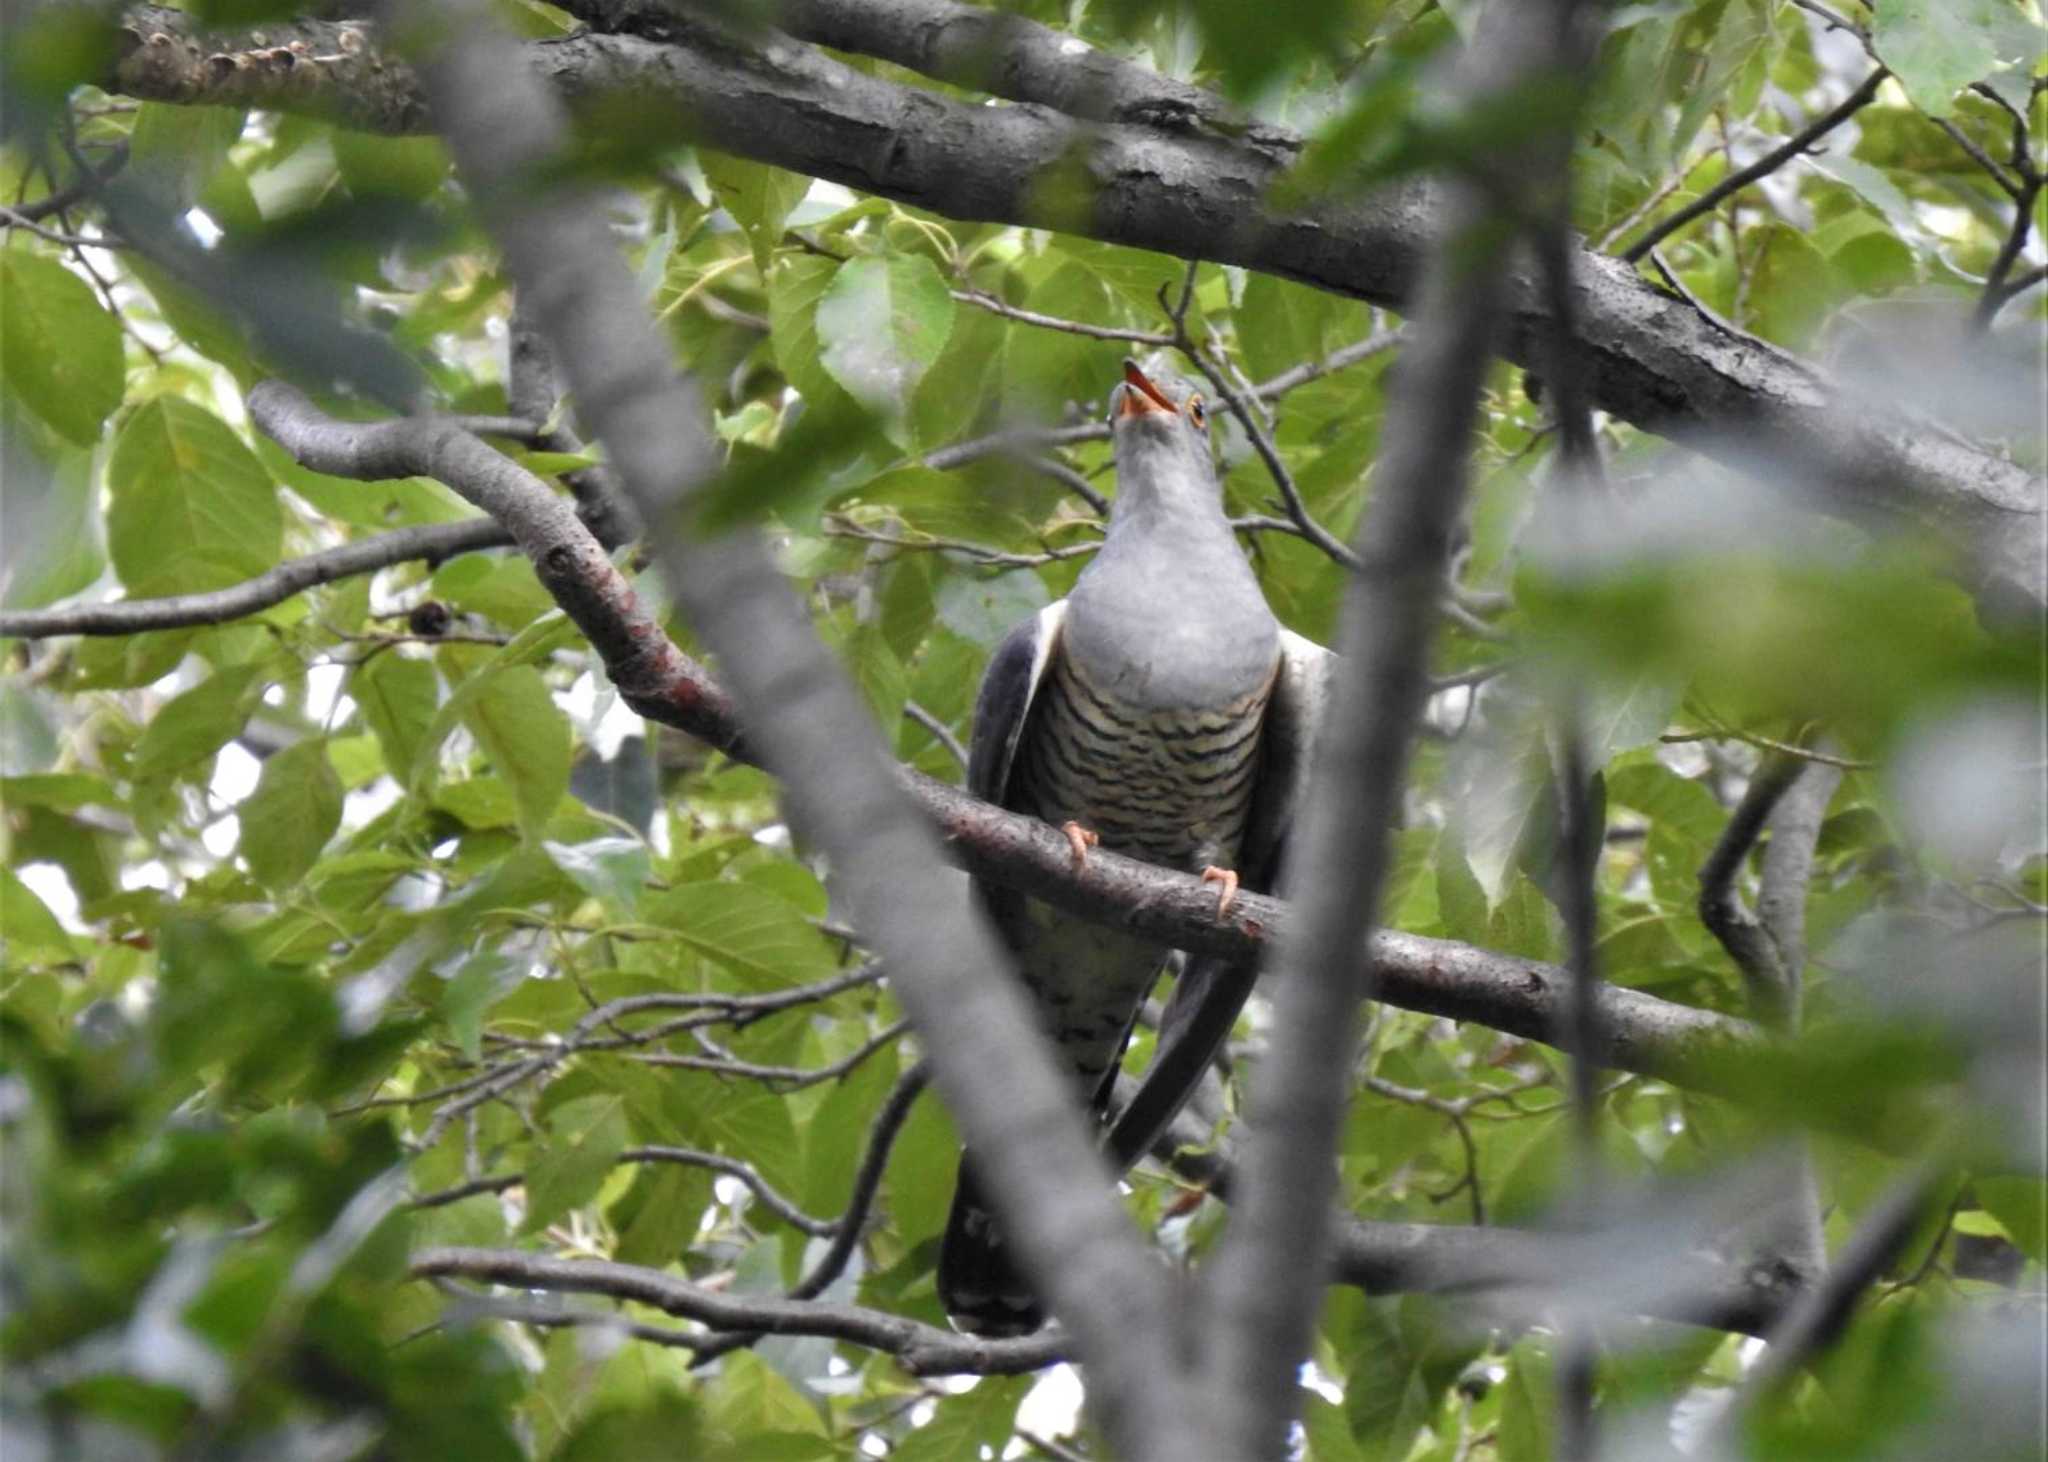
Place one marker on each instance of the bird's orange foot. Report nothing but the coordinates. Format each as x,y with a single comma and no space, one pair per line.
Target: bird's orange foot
1080,839
1228,894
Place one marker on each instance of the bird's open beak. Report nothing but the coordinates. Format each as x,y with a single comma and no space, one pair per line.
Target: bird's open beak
1142,396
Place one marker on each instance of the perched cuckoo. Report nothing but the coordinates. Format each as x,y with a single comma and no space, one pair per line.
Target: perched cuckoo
1159,711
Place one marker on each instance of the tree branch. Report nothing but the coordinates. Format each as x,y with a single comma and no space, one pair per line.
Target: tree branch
1656,1037
1656,362
1755,954
1260,1290
923,1350
1811,1325
431,541
1763,167
817,735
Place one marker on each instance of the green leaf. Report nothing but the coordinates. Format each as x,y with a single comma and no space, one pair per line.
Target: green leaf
178,149
60,353
191,506
1622,716
1528,1407
1280,324
411,168
2020,1204
292,813
749,1405
659,1215
963,1425
878,673
759,936
585,1138
1938,47
194,725
794,289
1045,369
397,697
56,549
527,739
758,197
1791,287
28,929
504,590
881,323
1385,1404
612,869
985,610
1327,1432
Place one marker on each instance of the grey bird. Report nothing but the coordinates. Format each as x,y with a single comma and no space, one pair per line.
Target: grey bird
1159,711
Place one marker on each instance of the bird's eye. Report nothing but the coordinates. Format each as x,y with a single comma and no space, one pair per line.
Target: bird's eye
1197,412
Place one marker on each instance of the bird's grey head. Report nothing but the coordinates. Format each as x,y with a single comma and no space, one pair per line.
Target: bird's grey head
1161,429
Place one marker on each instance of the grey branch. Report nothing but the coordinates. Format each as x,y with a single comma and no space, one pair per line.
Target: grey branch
1812,1325
431,541
923,1350
1755,953
813,731
1525,998
1660,363
1260,1292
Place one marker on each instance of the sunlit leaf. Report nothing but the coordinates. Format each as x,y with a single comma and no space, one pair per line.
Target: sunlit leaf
191,506
60,354
292,813
881,323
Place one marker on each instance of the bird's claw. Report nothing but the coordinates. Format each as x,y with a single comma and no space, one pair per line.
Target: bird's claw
1228,894
1080,839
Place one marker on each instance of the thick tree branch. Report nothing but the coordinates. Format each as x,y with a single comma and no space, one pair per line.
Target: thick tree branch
1523,997
1652,358
1747,942
816,734
1260,1290
1810,1326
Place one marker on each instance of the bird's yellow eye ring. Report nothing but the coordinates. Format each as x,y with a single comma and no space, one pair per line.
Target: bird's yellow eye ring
1197,412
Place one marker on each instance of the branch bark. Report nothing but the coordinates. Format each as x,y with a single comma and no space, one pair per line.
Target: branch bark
1653,359
1259,1296
431,541
815,734
1525,998
924,1350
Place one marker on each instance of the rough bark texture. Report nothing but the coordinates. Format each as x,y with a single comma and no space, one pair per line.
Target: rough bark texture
1650,357
816,734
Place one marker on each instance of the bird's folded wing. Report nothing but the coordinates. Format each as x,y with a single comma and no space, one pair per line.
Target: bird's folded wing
1008,687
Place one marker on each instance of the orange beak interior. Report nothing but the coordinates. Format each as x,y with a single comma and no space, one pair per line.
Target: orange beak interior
1143,396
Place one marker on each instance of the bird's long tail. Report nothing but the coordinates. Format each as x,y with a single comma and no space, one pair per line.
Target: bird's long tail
982,1289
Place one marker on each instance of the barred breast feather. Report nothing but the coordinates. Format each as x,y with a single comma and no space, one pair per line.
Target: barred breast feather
1169,785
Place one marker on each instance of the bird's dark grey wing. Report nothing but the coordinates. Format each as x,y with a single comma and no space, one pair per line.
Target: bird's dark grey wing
1294,716
1003,706
1211,990
978,1282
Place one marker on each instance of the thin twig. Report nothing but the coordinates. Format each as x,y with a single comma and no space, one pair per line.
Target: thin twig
1769,743
18,218
867,1182
91,178
941,732
995,306
1769,163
